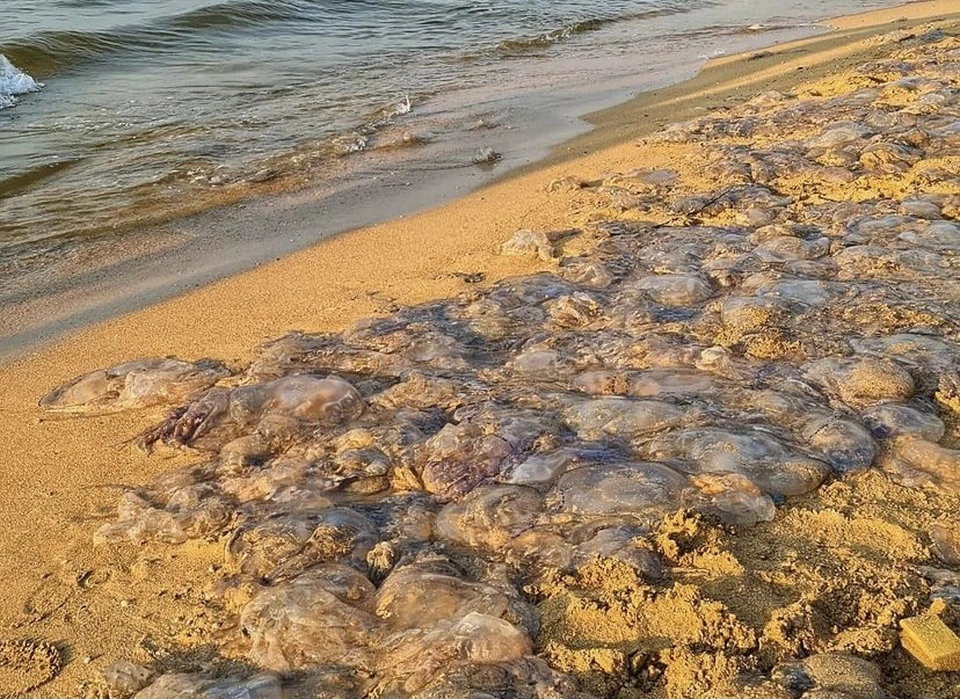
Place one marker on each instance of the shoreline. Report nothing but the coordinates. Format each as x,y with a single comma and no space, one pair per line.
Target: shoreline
62,478
721,80
110,276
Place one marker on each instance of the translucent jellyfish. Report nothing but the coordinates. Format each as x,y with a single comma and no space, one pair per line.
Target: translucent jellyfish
294,353
926,351
844,444
526,243
284,546
845,674
286,480
602,382
785,248
289,402
123,678
458,459
647,384
529,677
921,209
770,464
541,469
436,350
490,516
420,596
945,542
188,512
322,617
840,134
889,156
866,262
409,660
574,311
938,235
891,420
421,391
179,685
624,543
812,292
587,272
675,290
542,363
861,381
732,498
752,313
917,462
139,521
140,384
643,490
602,418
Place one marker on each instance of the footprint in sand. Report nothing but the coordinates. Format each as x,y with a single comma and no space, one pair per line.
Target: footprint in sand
25,665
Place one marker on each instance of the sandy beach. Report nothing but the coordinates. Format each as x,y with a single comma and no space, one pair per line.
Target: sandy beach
162,605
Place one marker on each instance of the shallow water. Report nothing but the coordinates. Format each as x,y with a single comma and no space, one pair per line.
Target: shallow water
149,109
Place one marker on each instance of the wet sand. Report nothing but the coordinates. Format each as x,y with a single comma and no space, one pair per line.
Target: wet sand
63,476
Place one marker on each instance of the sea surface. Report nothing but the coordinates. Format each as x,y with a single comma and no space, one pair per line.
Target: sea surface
118,113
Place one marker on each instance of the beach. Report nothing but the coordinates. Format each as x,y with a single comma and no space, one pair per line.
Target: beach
113,197
164,606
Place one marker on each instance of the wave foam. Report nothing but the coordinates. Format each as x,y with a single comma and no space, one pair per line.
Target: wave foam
13,82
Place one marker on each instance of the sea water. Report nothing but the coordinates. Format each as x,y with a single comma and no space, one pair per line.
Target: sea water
118,113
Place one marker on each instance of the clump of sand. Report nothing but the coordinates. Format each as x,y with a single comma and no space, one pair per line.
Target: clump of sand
833,573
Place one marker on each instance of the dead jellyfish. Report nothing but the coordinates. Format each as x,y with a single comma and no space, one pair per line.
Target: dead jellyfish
330,400
861,381
422,594
409,660
512,679
284,546
642,490
459,458
490,516
917,462
675,290
607,539
893,420
179,507
175,685
602,418
526,243
539,470
732,498
291,401
786,248
774,467
138,384
933,353
323,617
844,444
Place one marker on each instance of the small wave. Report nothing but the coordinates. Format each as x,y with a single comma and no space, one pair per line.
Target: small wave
385,115
512,47
14,82
25,180
525,45
48,52
762,28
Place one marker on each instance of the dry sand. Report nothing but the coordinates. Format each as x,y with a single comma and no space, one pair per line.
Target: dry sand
61,478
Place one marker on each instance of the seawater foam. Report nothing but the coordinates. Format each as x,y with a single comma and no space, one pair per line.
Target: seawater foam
13,82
